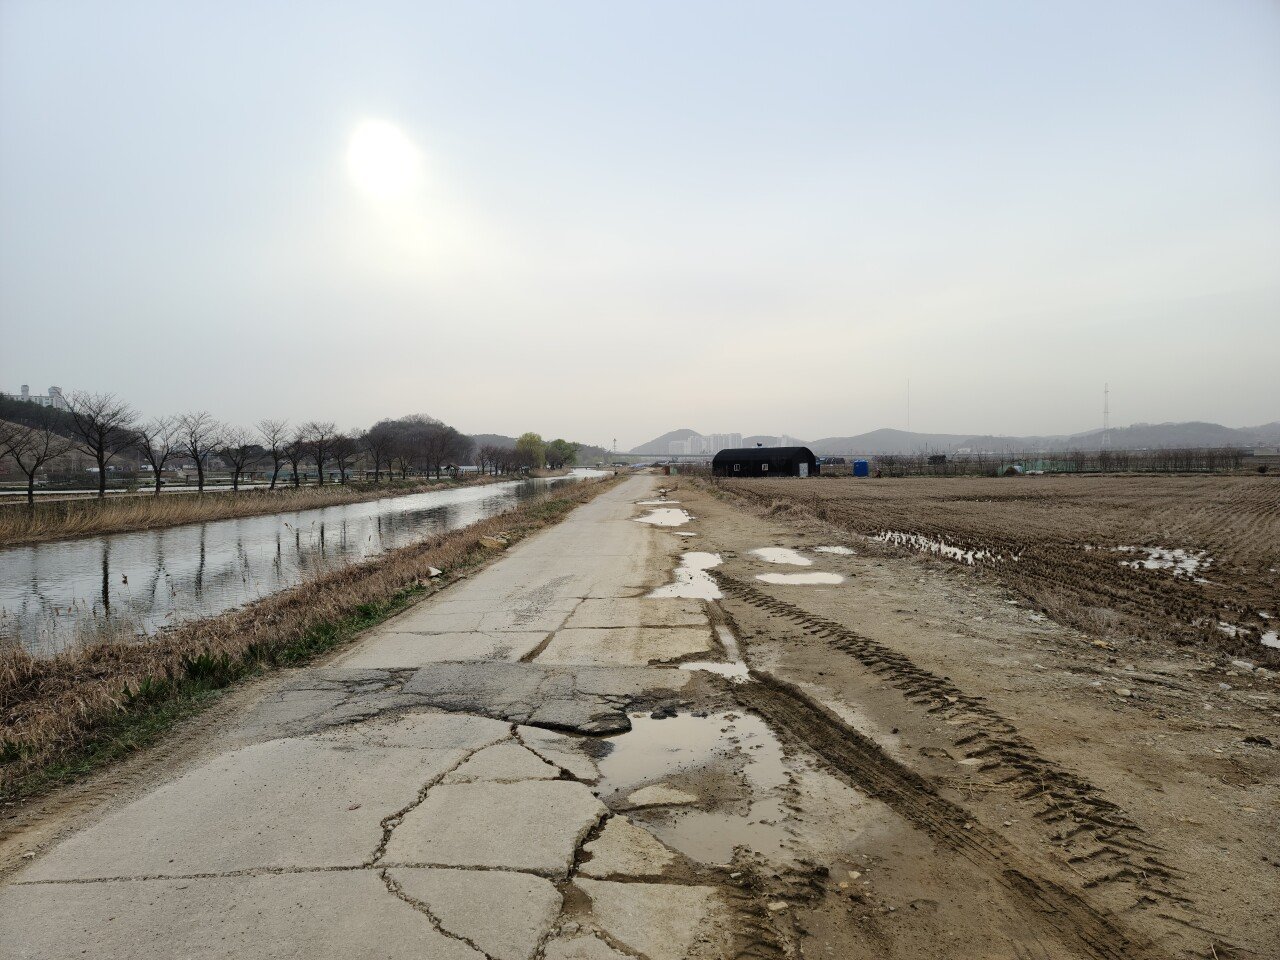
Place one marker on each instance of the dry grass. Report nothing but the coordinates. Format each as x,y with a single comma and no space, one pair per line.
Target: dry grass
63,519
53,710
1065,533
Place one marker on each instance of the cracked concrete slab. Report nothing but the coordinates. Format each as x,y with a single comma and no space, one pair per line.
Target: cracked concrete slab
563,750
347,914
583,699
623,849
397,649
617,612
534,826
281,804
409,801
661,921
505,914
517,621
503,763
625,646
427,730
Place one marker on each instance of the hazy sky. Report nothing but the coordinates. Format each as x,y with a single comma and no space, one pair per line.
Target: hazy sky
608,219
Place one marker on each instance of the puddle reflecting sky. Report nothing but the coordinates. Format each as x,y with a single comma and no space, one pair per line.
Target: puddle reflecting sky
732,761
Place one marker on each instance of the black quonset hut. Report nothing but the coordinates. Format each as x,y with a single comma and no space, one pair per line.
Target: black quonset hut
765,462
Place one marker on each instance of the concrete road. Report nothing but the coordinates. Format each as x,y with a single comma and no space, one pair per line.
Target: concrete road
437,792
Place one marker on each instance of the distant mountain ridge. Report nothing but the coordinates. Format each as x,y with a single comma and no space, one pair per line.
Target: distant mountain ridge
1133,437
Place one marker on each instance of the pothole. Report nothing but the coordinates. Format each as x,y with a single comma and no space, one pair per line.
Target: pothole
730,765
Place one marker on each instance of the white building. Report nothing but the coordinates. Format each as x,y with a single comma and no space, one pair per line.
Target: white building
53,398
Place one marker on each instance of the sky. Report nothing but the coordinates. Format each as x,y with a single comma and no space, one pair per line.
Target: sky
608,220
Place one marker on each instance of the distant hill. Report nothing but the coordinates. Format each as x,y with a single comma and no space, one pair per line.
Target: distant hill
1137,436
659,445
1133,437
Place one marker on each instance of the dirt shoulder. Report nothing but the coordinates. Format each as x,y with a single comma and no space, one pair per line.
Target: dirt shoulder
1141,779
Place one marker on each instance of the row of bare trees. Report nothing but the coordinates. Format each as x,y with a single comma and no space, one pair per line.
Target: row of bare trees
103,428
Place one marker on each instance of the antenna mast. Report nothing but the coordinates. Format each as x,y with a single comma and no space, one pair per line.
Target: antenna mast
1106,416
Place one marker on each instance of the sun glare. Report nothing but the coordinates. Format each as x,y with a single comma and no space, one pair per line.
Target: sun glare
382,161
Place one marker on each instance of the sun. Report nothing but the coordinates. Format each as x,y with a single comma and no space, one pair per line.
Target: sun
382,161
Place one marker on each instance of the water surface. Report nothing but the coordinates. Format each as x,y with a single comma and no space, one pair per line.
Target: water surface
53,595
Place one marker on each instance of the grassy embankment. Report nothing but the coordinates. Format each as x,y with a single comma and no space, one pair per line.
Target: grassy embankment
62,519
63,716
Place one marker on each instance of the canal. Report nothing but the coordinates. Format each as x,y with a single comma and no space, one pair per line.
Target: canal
55,595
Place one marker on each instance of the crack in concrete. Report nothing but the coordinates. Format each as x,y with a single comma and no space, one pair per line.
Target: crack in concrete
564,772
390,823
394,888
591,833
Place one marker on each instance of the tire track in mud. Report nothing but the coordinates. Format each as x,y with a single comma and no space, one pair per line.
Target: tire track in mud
1106,846
1065,916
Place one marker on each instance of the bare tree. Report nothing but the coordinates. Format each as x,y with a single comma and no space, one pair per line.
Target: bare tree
274,440
102,426
32,446
319,439
295,451
379,442
157,440
198,435
345,452
236,446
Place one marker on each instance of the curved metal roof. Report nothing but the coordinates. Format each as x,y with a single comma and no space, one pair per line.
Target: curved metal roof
745,454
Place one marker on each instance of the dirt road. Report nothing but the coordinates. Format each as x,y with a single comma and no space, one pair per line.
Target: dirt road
618,742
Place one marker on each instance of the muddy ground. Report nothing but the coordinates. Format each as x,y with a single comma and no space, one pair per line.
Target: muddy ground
620,742
1145,781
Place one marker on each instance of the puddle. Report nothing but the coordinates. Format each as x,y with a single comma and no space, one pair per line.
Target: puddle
811,578
782,555
842,551
684,533
923,544
1182,563
1270,639
731,761
666,517
692,580
655,503
735,669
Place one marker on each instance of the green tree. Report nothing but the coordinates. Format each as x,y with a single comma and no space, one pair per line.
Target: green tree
561,453
531,451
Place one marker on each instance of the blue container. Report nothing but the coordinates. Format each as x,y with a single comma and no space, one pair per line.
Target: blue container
861,468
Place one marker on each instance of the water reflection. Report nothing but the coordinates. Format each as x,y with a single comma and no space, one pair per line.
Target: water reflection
57,594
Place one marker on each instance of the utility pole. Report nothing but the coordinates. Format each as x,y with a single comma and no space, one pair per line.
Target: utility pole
908,404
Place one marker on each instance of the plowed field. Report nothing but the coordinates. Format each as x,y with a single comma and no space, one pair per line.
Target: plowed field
1186,560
